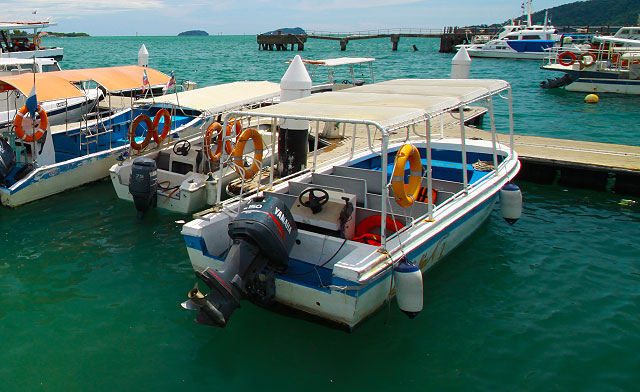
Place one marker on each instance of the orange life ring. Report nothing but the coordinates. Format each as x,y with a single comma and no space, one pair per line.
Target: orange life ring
238,152
37,40
216,127
586,63
132,132
363,231
41,130
572,58
162,113
405,196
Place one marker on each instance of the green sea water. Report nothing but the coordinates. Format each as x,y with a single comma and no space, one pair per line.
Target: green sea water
89,296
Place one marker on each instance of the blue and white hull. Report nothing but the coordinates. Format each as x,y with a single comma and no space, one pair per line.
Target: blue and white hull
354,287
76,157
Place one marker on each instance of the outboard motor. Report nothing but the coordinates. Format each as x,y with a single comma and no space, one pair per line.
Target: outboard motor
263,235
7,159
143,184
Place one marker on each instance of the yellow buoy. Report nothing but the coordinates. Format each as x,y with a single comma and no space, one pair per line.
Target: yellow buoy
591,98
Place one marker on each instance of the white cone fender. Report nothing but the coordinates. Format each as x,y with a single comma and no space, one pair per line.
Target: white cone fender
511,202
408,280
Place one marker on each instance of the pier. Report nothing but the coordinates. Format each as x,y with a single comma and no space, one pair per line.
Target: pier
449,36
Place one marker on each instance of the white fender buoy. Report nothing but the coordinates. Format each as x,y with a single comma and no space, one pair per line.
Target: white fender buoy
408,279
511,202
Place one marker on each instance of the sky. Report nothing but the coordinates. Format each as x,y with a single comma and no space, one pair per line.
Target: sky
168,17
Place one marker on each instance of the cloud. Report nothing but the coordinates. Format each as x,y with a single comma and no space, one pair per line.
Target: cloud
75,8
311,5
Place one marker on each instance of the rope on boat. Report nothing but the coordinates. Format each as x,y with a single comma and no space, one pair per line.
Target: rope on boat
483,166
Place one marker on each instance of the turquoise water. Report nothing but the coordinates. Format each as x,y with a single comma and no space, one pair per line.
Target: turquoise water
89,297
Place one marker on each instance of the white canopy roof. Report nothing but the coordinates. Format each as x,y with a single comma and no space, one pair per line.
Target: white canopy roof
388,103
24,25
340,61
622,41
221,97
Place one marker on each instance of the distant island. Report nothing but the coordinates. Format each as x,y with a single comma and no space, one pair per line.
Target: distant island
287,30
51,33
194,33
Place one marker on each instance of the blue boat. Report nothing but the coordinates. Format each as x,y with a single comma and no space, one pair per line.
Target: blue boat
369,214
38,159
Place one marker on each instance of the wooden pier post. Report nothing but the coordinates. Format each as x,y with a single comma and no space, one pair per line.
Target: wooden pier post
343,44
394,40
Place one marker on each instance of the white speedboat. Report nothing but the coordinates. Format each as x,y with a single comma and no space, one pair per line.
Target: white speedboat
17,66
313,242
40,159
182,168
24,46
518,41
611,66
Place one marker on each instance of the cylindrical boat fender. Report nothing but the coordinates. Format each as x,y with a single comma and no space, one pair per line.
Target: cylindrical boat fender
511,202
211,186
408,279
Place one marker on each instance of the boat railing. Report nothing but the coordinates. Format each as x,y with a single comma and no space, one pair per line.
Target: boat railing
371,127
595,59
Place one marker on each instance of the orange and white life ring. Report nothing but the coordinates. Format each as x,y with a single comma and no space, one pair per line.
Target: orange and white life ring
363,231
39,131
162,113
37,40
238,152
405,196
562,57
132,132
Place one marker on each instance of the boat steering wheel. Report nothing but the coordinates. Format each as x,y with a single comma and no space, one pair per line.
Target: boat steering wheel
182,147
314,202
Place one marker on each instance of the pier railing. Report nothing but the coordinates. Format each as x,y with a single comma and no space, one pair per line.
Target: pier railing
403,30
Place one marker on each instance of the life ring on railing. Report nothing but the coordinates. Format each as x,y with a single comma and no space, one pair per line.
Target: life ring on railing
238,152
132,132
586,55
405,196
40,130
162,113
572,58
217,128
363,230
37,40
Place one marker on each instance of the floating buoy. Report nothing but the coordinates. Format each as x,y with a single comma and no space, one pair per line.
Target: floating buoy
591,98
511,202
408,278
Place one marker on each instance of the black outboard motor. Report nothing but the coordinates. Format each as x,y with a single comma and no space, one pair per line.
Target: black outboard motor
7,159
143,184
263,235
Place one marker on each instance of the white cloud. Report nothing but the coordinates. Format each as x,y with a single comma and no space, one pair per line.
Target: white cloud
75,8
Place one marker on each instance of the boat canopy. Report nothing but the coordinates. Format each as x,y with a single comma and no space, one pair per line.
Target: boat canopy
60,84
48,87
25,25
622,41
390,104
335,62
219,98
